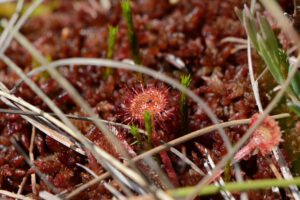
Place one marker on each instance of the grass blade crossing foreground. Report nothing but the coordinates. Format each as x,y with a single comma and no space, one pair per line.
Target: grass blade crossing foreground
236,187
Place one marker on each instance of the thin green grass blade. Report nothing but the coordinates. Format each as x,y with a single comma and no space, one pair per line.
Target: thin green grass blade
239,14
295,83
235,187
266,44
250,27
268,34
295,108
271,64
283,62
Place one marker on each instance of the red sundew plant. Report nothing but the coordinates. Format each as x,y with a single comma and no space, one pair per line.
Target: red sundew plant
150,106
152,99
265,138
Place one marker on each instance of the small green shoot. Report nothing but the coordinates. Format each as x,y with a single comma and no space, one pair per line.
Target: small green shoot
185,81
149,127
134,130
295,108
133,40
295,82
227,171
112,36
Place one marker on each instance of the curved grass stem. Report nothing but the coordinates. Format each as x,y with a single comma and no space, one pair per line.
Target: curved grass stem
235,187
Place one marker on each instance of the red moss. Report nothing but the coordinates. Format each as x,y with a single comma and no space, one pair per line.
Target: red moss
169,168
64,178
100,140
48,165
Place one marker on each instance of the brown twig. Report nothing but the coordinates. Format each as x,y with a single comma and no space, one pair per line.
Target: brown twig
21,186
31,157
75,117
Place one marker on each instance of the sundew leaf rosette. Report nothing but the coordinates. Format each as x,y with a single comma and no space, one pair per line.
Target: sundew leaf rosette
265,138
153,100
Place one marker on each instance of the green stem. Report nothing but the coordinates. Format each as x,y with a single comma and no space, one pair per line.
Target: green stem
133,40
185,81
235,187
112,36
149,127
134,130
227,171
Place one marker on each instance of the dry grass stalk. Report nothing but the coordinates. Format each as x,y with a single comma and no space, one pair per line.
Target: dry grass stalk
187,161
108,186
75,117
13,195
53,134
31,157
18,25
209,165
21,186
